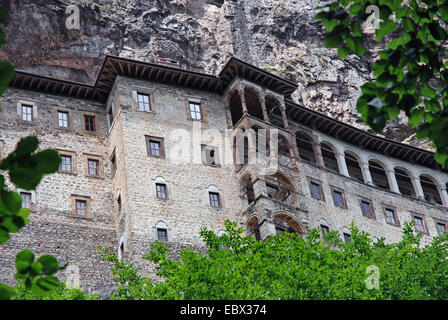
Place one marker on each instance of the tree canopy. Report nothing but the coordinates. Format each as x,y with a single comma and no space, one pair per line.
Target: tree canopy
411,71
288,267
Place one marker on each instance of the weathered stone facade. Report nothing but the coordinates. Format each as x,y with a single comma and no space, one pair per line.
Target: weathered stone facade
325,181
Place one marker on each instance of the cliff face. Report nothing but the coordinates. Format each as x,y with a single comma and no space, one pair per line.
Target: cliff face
278,35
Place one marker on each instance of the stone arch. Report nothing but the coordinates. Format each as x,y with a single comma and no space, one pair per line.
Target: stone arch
253,102
404,181
161,225
378,173
281,188
252,226
273,106
329,152
305,146
430,187
286,222
353,162
236,106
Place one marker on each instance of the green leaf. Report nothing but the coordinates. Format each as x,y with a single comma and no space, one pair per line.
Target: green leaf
50,264
27,146
6,292
48,161
332,39
385,27
343,52
429,92
416,117
6,75
11,200
25,255
25,178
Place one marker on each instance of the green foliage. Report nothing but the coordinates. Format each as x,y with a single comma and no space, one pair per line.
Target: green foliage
288,267
59,292
411,74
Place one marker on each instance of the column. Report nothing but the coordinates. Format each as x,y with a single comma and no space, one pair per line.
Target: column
252,150
340,157
267,228
263,107
443,195
392,180
366,173
418,188
318,153
243,101
293,157
283,111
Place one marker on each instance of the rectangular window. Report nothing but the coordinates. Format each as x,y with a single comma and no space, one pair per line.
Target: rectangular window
419,224
195,111
161,191
390,216
93,166
143,102
324,230
27,113
214,199
89,123
441,228
155,147
347,237
26,199
366,208
338,199
162,235
63,119
316,191
81,208
66,163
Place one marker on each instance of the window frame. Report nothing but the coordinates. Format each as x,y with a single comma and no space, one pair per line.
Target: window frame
218,199
165,191
441,222
319,184
216,162
341,192
144,94
397,221
196,103
166,234
88,207
160,141
424,226
370,206
100,168
73,164
30,195
27,106
95,123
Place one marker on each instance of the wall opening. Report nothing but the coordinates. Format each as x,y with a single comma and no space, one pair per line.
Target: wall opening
273,111
253,103
353,167
236,108
329,157
305,147
378,174
404,182
430,190
280,188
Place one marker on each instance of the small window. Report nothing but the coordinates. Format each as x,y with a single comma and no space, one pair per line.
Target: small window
367,210
195,111
324,229
63,119
119,205
93,167
66,164
161,191
441,228
390,216
155,147
81,208
26,199
214,199
162,235
113,163
338,199
419,224
143,102
27,113
316,190
89,123
347,237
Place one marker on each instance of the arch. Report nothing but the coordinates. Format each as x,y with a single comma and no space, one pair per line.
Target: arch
305,146
284,156
253,102
252,227
236,106
430,187
160,226
404,182
273,110
353,165
281,188
378,173
286,222
329,156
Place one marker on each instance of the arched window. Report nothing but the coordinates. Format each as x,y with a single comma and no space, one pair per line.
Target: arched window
305,147
161,232
430,190
354,170
379,177
280,188
253,103
284,157
329,157
247,189
236,108
273,111
404,182
253,228
285,223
